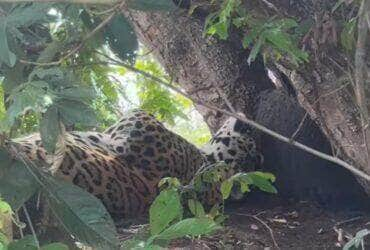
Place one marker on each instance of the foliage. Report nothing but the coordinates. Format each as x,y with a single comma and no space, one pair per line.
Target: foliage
176,111
177,201
47,88
80,213
261,34
28,242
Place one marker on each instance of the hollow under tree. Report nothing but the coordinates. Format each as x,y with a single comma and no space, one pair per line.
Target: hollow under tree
217,72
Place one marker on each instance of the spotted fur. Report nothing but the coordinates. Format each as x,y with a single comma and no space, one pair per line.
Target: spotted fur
123,165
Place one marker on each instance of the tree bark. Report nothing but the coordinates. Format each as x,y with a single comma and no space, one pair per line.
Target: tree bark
205,66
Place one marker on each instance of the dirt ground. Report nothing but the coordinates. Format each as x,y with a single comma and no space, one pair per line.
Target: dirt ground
299,225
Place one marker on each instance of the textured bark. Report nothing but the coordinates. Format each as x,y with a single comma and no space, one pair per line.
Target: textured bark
200,65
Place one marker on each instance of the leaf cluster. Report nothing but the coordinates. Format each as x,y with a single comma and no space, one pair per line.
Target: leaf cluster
177,211
275,36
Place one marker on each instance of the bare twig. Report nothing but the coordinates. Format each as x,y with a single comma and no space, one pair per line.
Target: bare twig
264,224
316,101
252,123
223,96
271,6
360,73
299,127
31,226
17,223
340,223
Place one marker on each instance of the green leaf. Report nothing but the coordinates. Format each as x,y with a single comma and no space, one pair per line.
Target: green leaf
82,214
28,96
73,112
165,209
29,13
6,56
77,93
285,23
50,129
121,38
221,29
17,185
172,182
26,243
265,175
4,241
255,50
191,227
4,207
55,246
226,187
42,73
262,181
196,208
283,42
347,36
152,5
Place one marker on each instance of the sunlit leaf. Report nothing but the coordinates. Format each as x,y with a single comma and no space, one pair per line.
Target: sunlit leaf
191,227
196,208
164,210
226,187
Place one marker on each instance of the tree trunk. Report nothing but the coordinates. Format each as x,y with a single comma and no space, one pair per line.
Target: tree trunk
213,71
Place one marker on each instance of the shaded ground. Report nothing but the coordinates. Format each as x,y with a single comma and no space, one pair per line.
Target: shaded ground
300,225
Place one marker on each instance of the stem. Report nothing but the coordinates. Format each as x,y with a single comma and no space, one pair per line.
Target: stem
360,74
31,226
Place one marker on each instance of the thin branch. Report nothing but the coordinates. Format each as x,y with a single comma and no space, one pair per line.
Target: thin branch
264,224
252,123
31,226
223,96
79,46
360,73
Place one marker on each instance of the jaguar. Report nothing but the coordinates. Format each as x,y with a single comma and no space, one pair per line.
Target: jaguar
123,165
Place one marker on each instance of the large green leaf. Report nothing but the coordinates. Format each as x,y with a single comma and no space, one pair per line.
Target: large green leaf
191,227
17,184
28,14
77,93
121,38
73,112
165,209
226,187
29,96
147,5
26,243
50,128
262,181
82,214
6,56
